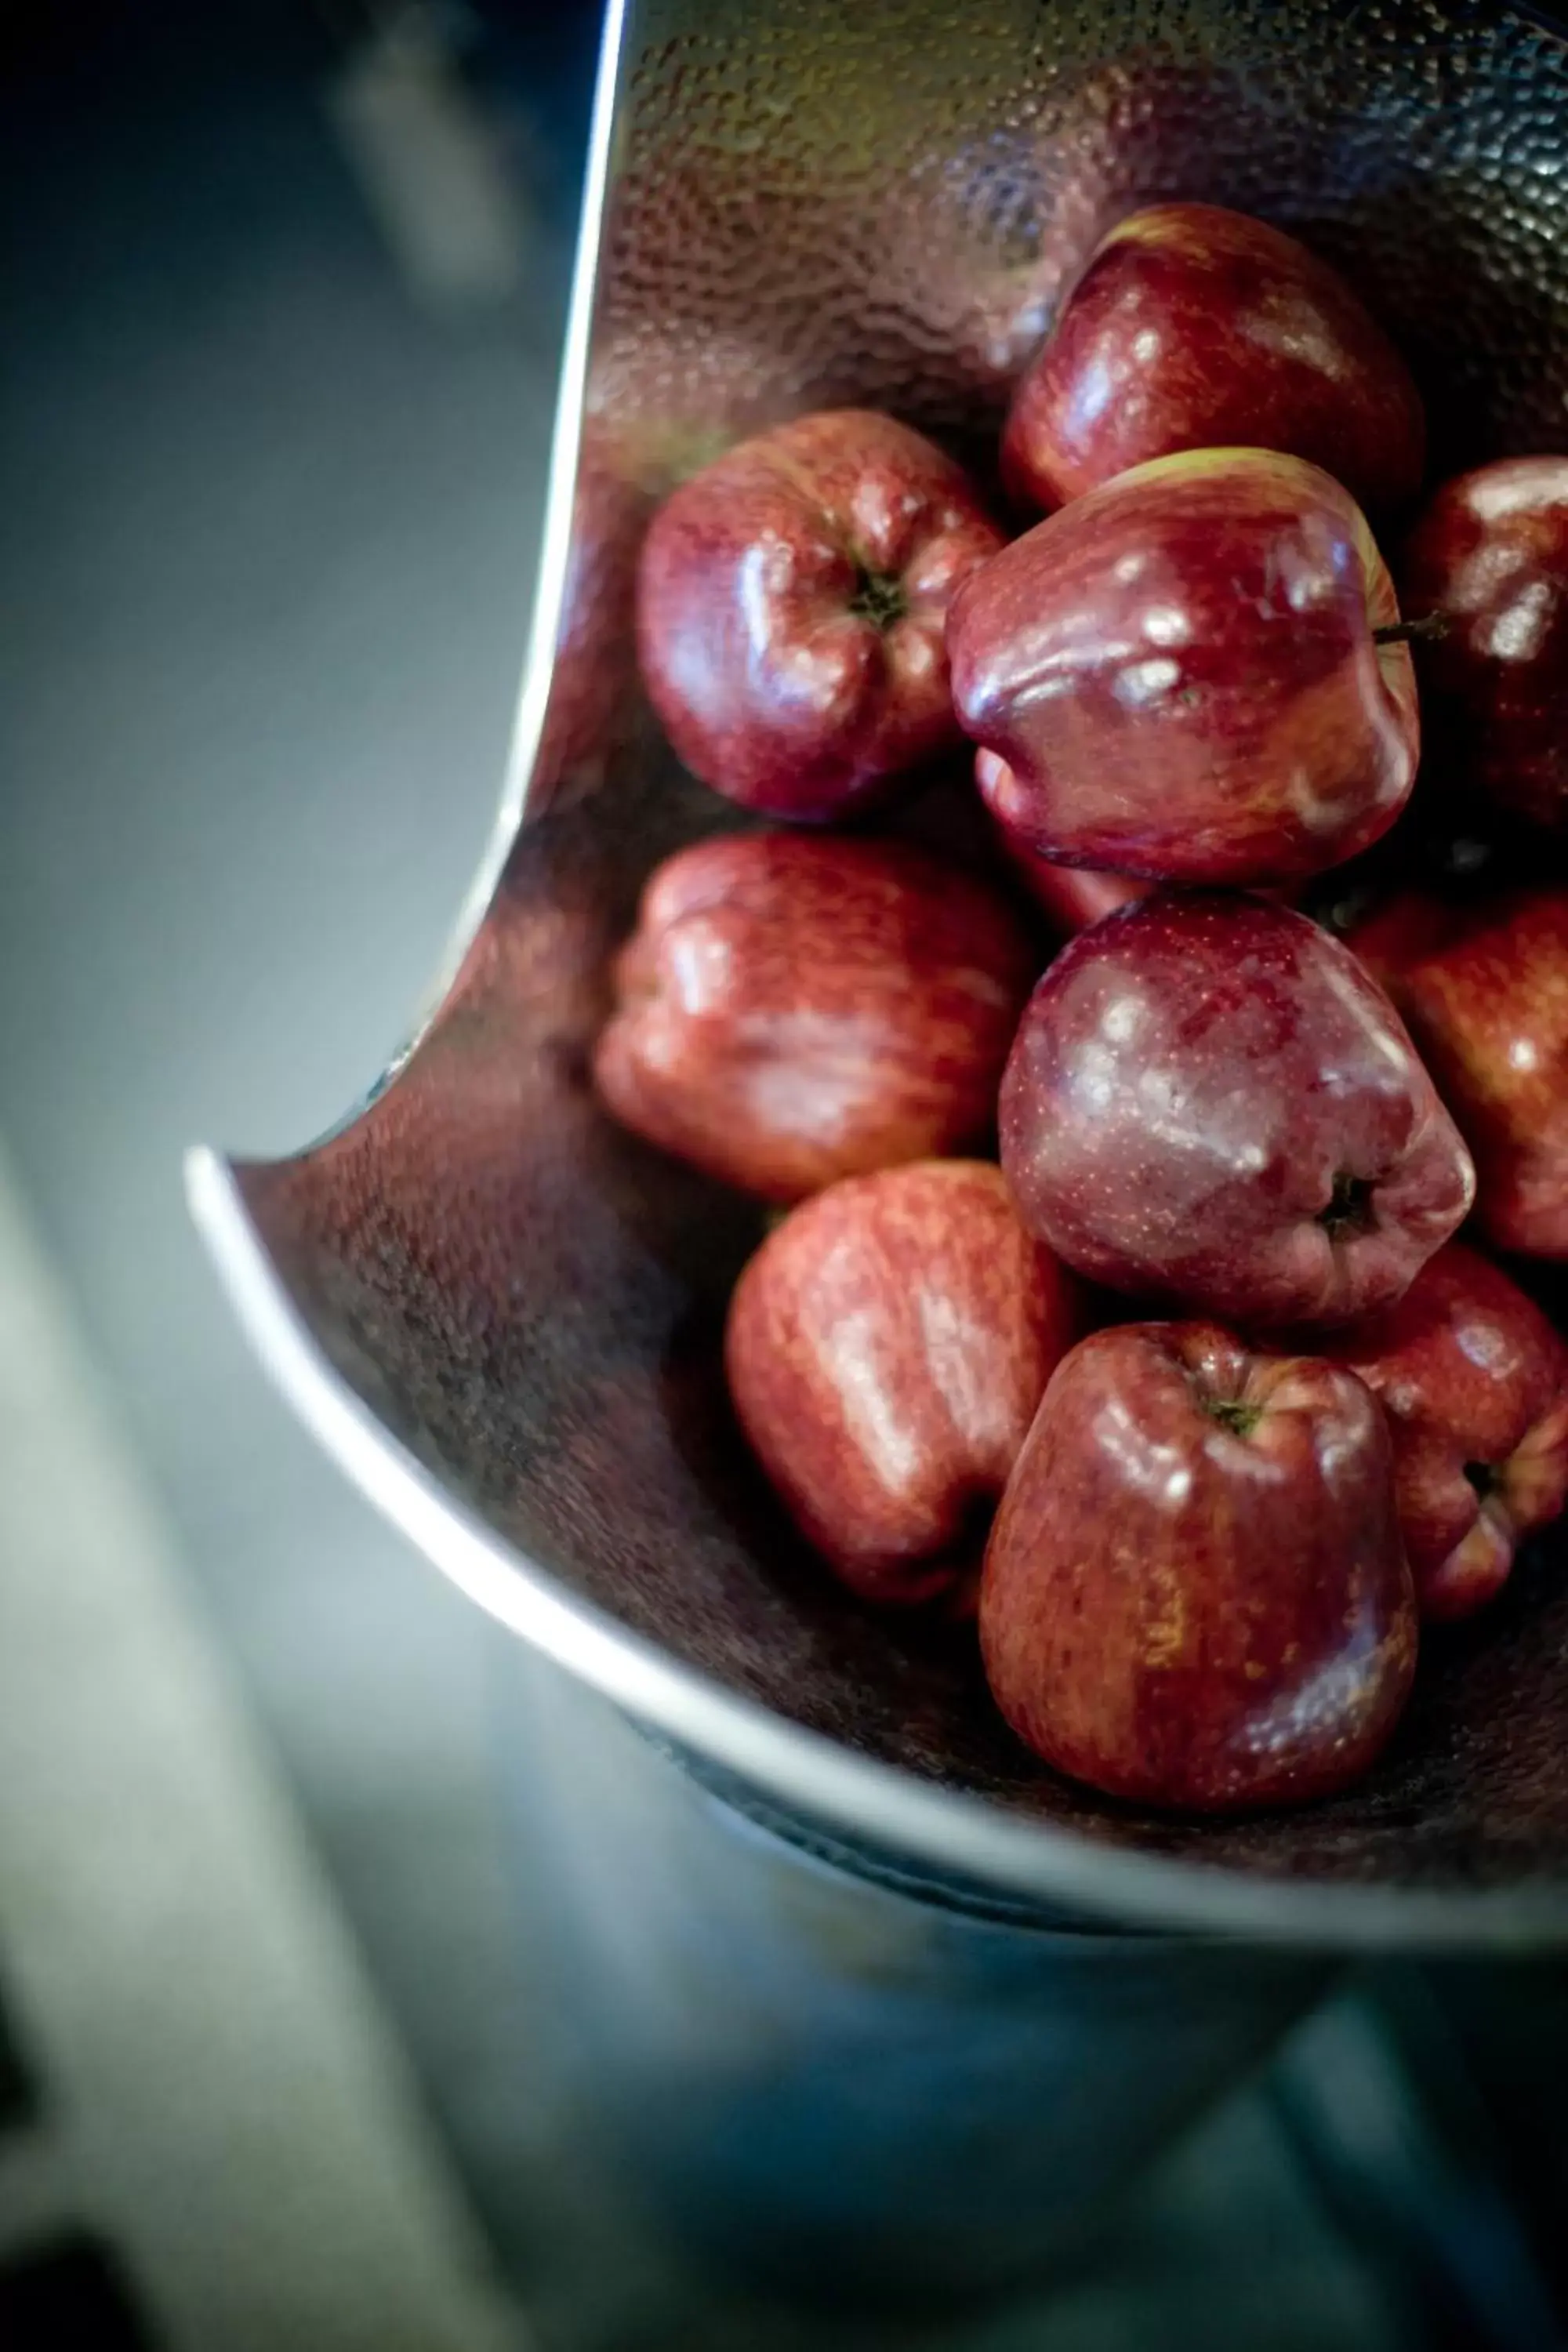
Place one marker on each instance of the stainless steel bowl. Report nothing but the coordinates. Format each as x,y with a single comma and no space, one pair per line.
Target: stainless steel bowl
499,1312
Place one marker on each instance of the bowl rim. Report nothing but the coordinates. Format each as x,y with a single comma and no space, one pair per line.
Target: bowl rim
940,1828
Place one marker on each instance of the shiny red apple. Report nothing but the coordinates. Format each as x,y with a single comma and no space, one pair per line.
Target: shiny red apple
1209,1101
1474,1381
1489,558
1194,1594
1195,328
1488,1009
886,1350
791,603
1181,673
792,1009
1072,896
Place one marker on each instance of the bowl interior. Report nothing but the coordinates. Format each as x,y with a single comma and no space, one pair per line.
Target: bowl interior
813,206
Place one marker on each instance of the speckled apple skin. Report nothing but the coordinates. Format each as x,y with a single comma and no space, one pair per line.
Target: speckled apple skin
1490,553
1474,1381
1189,1079
1187,1616
1193,327
1489,1012
1072,896
792,1009
1181,674
772,685
886,1350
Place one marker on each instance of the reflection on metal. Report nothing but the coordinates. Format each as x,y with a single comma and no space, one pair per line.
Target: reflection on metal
498,1313
429,165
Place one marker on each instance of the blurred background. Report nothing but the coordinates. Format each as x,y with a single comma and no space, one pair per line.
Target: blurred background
283,289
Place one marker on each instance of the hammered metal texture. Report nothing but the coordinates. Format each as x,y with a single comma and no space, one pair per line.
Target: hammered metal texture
816,203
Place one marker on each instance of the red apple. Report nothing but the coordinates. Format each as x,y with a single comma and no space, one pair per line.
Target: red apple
1474,1381
1194,1594
1488,1009
1181,672
790,603
1195,328
1072,896
1209,1101
887,1348
793,1009
1489,558
637,443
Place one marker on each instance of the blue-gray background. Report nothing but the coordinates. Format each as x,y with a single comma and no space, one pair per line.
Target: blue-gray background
266,544
266,548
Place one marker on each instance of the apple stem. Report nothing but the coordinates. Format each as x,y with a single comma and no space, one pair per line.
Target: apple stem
1231,1413
1426,630
879,598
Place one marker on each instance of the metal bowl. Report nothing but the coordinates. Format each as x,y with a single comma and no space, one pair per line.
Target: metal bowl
500,1313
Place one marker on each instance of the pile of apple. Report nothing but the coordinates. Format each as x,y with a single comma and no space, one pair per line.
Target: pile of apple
1211,1538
